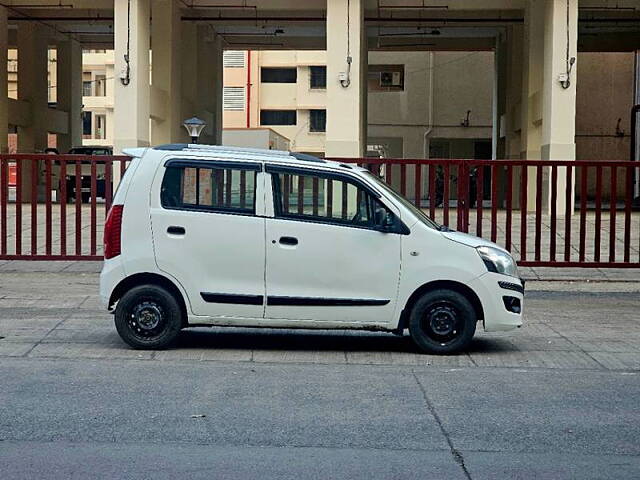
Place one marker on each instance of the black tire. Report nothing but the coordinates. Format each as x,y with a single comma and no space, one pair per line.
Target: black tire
148,317
86,197
442,322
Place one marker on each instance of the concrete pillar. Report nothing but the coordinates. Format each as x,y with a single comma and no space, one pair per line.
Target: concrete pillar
189,69
209,84
33,90
69,92
4,100
346,103
165,42
131,92
559,103
32,86
510,123
548,112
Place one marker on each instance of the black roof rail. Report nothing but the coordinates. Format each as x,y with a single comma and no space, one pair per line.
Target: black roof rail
172,146
307,158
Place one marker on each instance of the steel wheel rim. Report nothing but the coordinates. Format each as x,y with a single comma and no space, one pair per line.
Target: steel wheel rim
442,322
146,319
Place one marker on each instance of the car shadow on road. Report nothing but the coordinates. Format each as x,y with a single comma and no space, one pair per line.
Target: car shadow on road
306,340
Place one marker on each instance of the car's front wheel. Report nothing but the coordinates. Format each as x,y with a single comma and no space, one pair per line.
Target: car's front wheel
442,322
148,317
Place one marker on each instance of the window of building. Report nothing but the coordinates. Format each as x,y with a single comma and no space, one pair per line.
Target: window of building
278,117
86,88
226,190
324,198
101,86
233,98
385,78
317,120
86,123
318,77
278,75
101,126
233,59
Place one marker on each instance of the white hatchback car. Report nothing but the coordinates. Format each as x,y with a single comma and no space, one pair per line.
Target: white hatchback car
206,235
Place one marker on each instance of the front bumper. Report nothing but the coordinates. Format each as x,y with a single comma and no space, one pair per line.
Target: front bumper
491,288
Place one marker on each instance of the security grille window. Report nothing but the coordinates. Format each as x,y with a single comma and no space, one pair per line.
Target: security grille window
278,75
226,190
317,120
233,59
318,77
324,199
278,117
86,88
233,98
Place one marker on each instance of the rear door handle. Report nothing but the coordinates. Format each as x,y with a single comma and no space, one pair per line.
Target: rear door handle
175,230
288,241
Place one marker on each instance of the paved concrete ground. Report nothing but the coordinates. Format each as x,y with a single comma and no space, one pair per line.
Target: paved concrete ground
516,249
555,399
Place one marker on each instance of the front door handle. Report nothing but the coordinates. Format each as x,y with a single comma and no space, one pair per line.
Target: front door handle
288,241
176,230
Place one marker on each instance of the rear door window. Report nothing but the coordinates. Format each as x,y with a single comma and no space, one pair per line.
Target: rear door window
224,188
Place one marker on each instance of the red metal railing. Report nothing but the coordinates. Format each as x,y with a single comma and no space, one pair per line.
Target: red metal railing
588,220
536,209
58,202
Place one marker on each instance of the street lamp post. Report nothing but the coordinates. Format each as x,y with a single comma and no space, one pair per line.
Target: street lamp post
194,127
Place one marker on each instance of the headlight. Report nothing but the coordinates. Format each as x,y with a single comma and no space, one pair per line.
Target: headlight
498,261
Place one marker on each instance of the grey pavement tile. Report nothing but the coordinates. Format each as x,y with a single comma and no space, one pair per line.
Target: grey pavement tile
84,267
42,302
618,361
12,349
99,336
87,350
298,356
34,266
226,354
622,274
539,359
608,346
179,354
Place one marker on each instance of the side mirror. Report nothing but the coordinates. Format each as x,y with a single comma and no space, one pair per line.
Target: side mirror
385,220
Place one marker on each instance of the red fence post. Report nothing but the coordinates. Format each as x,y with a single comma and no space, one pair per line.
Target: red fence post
554,198
94,192
569,199
583,213
509,207
34,206
4,198
48,173
523,213
612,213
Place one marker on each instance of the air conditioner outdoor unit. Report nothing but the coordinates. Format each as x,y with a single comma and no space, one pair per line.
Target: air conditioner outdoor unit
390,79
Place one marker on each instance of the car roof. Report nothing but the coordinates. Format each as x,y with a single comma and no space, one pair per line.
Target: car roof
222,152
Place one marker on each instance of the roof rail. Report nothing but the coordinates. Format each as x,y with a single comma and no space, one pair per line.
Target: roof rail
240,150
221,148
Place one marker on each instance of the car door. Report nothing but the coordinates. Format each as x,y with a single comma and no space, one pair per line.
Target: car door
325,258
208,236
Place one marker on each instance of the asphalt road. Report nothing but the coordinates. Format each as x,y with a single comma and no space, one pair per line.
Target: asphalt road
556,399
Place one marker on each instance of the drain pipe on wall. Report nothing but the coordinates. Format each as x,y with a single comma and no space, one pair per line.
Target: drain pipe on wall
248,88
429,129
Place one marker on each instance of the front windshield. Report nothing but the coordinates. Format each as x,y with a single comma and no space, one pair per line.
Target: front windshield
410,206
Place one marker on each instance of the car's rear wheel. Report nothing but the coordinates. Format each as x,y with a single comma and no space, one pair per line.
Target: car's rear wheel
148,317
442,322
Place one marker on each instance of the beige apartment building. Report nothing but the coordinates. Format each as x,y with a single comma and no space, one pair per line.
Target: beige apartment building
419,104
